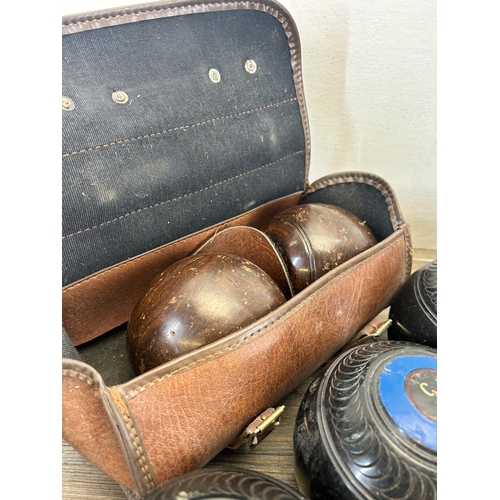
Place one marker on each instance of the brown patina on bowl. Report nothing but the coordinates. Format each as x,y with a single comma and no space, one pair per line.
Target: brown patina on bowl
197,300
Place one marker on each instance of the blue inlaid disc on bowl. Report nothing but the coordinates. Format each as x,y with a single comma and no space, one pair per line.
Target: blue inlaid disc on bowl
408,392
367,427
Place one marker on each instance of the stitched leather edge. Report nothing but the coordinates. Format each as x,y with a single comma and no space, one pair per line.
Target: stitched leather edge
396,215
366,178
92,377
76,369
119,415
139,462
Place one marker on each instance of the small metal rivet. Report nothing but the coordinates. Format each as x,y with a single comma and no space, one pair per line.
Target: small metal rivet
214,75
250,66
119,97
67,104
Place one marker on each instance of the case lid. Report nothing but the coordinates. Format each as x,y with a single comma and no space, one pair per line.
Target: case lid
175,117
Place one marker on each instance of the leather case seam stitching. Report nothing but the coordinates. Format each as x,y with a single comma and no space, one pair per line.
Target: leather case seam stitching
135,440
409,249
78,375
181,127
162,10
368,179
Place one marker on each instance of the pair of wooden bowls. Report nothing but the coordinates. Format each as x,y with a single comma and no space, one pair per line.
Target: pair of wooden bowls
238,276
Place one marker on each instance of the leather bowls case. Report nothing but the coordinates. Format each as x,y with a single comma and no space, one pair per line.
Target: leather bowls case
180,120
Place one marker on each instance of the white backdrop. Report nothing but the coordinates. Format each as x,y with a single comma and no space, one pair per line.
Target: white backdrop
370,83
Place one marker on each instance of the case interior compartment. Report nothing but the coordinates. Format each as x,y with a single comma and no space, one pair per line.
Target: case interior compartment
174,122
108,354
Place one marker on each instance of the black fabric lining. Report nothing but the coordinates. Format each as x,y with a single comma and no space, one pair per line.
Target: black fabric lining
163,66
120,142
193,152
92,251
106,184
363,200
182,196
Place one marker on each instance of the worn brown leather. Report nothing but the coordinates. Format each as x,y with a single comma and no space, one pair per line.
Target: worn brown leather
86,424
176,417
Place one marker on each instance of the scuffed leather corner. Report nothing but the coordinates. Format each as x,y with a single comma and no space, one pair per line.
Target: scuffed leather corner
86,424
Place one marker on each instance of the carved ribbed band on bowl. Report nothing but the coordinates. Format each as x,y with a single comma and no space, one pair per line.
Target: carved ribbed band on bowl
227,483
349,446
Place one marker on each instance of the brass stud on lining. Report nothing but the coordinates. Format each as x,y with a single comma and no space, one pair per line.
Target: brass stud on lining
119,97
67,104
214,75
250,66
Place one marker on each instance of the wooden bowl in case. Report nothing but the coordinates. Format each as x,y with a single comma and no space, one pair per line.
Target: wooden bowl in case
315,238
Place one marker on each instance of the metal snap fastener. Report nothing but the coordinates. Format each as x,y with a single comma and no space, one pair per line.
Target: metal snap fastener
214,75
67,104
119,97
250,66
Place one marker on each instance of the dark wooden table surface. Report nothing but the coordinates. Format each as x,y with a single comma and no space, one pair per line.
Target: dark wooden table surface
273,456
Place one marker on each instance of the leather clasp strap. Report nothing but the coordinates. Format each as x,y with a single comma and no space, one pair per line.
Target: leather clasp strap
257,430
